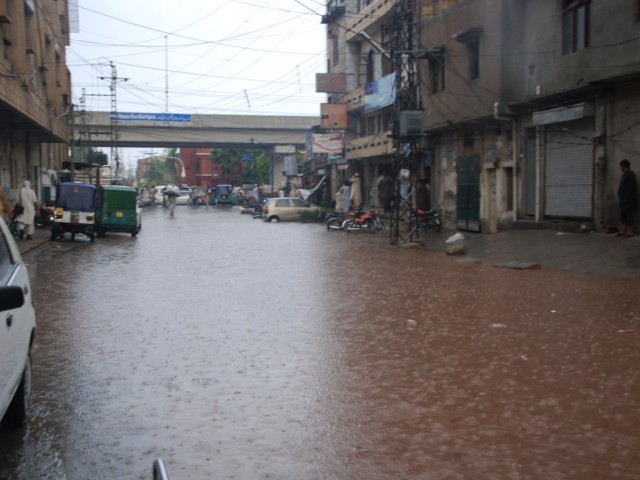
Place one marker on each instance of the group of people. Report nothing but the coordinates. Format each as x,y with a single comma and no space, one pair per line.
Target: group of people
24,210
349,195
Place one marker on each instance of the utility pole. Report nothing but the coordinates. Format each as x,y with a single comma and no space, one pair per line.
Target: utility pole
409,115
113,117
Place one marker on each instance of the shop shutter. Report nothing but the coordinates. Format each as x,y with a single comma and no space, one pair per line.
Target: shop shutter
569,170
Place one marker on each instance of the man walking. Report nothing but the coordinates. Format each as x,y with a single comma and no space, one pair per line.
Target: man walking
628,197
29,202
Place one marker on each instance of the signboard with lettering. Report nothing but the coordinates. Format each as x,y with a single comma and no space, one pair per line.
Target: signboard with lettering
150,117
331,82
333,116
328,142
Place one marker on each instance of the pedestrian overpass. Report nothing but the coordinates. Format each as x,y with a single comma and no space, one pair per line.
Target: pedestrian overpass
147,130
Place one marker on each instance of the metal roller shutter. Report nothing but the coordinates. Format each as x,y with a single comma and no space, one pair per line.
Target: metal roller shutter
569,170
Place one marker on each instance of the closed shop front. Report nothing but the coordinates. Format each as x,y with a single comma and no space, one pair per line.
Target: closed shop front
568,177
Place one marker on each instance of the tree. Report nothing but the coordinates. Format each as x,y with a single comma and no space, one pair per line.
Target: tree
154,173
171,166
231,164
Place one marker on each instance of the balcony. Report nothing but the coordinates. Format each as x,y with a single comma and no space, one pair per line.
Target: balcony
368,16
335,8
371,146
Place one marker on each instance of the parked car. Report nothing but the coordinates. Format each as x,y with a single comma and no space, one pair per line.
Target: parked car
17,333
183,198
286,208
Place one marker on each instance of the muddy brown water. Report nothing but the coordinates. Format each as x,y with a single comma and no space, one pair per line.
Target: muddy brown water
236,349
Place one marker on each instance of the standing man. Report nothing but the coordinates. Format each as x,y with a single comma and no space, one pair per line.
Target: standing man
628,197
29,202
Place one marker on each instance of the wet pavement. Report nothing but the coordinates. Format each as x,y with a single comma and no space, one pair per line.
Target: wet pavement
238,349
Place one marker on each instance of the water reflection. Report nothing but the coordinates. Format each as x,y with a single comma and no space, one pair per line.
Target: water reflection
238,349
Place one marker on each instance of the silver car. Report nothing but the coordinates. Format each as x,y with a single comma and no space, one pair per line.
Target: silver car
286,208
17,333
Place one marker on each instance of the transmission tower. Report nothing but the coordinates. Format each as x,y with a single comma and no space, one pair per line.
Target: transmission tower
113,116
409,120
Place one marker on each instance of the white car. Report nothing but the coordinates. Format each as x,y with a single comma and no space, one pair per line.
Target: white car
17,333
184,197
286,208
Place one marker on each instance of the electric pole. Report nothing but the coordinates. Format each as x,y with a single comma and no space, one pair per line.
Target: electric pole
409,115
113,116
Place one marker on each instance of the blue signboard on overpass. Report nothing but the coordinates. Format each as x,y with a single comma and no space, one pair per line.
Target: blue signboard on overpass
150,117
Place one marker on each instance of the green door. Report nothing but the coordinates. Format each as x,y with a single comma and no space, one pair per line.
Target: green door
468,201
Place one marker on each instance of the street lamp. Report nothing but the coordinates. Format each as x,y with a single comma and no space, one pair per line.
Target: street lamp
182,173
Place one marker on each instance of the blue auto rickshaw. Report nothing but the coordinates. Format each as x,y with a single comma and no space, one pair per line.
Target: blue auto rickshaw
223,195
118,210
75,210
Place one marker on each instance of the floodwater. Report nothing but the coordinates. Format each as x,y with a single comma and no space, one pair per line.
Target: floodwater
237,349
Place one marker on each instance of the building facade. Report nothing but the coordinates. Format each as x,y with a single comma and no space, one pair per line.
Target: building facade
35,91
528,106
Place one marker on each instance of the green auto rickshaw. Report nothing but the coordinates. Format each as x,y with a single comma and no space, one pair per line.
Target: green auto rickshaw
118,210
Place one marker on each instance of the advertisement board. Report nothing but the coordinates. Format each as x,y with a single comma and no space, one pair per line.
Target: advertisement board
380,93
331,82
328,142
333,116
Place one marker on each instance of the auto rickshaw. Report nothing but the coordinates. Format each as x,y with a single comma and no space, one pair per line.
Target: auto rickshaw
223,195
118,210
75,210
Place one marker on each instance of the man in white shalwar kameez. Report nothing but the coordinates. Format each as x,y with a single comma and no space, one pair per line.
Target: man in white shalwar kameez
29,202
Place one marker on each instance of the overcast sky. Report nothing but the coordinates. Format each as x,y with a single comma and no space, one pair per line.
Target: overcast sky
217,57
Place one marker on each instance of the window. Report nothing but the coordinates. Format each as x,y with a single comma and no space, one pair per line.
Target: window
436,73
473,48
335,49
387,63
637,10
575,26
370,66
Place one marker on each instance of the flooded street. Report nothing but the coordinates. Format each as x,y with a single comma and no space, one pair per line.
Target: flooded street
237,349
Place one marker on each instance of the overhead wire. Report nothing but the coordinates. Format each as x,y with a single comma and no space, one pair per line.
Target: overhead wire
282,81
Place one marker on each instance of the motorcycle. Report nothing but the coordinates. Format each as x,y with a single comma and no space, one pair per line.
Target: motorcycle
198,200
256,212
44,217
429,219
366,221
335,220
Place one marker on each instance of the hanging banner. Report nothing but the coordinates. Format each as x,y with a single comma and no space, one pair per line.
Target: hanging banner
327,142
380,93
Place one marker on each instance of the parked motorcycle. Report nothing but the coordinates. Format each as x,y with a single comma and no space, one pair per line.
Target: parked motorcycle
198,200
429,219
256,212
335,220
365,222
44,217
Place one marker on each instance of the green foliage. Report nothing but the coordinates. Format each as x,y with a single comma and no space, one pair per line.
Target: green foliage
154,175
307,216
171,167
235,171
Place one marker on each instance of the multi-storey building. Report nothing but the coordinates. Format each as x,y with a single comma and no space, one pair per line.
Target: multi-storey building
530,106
35,90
